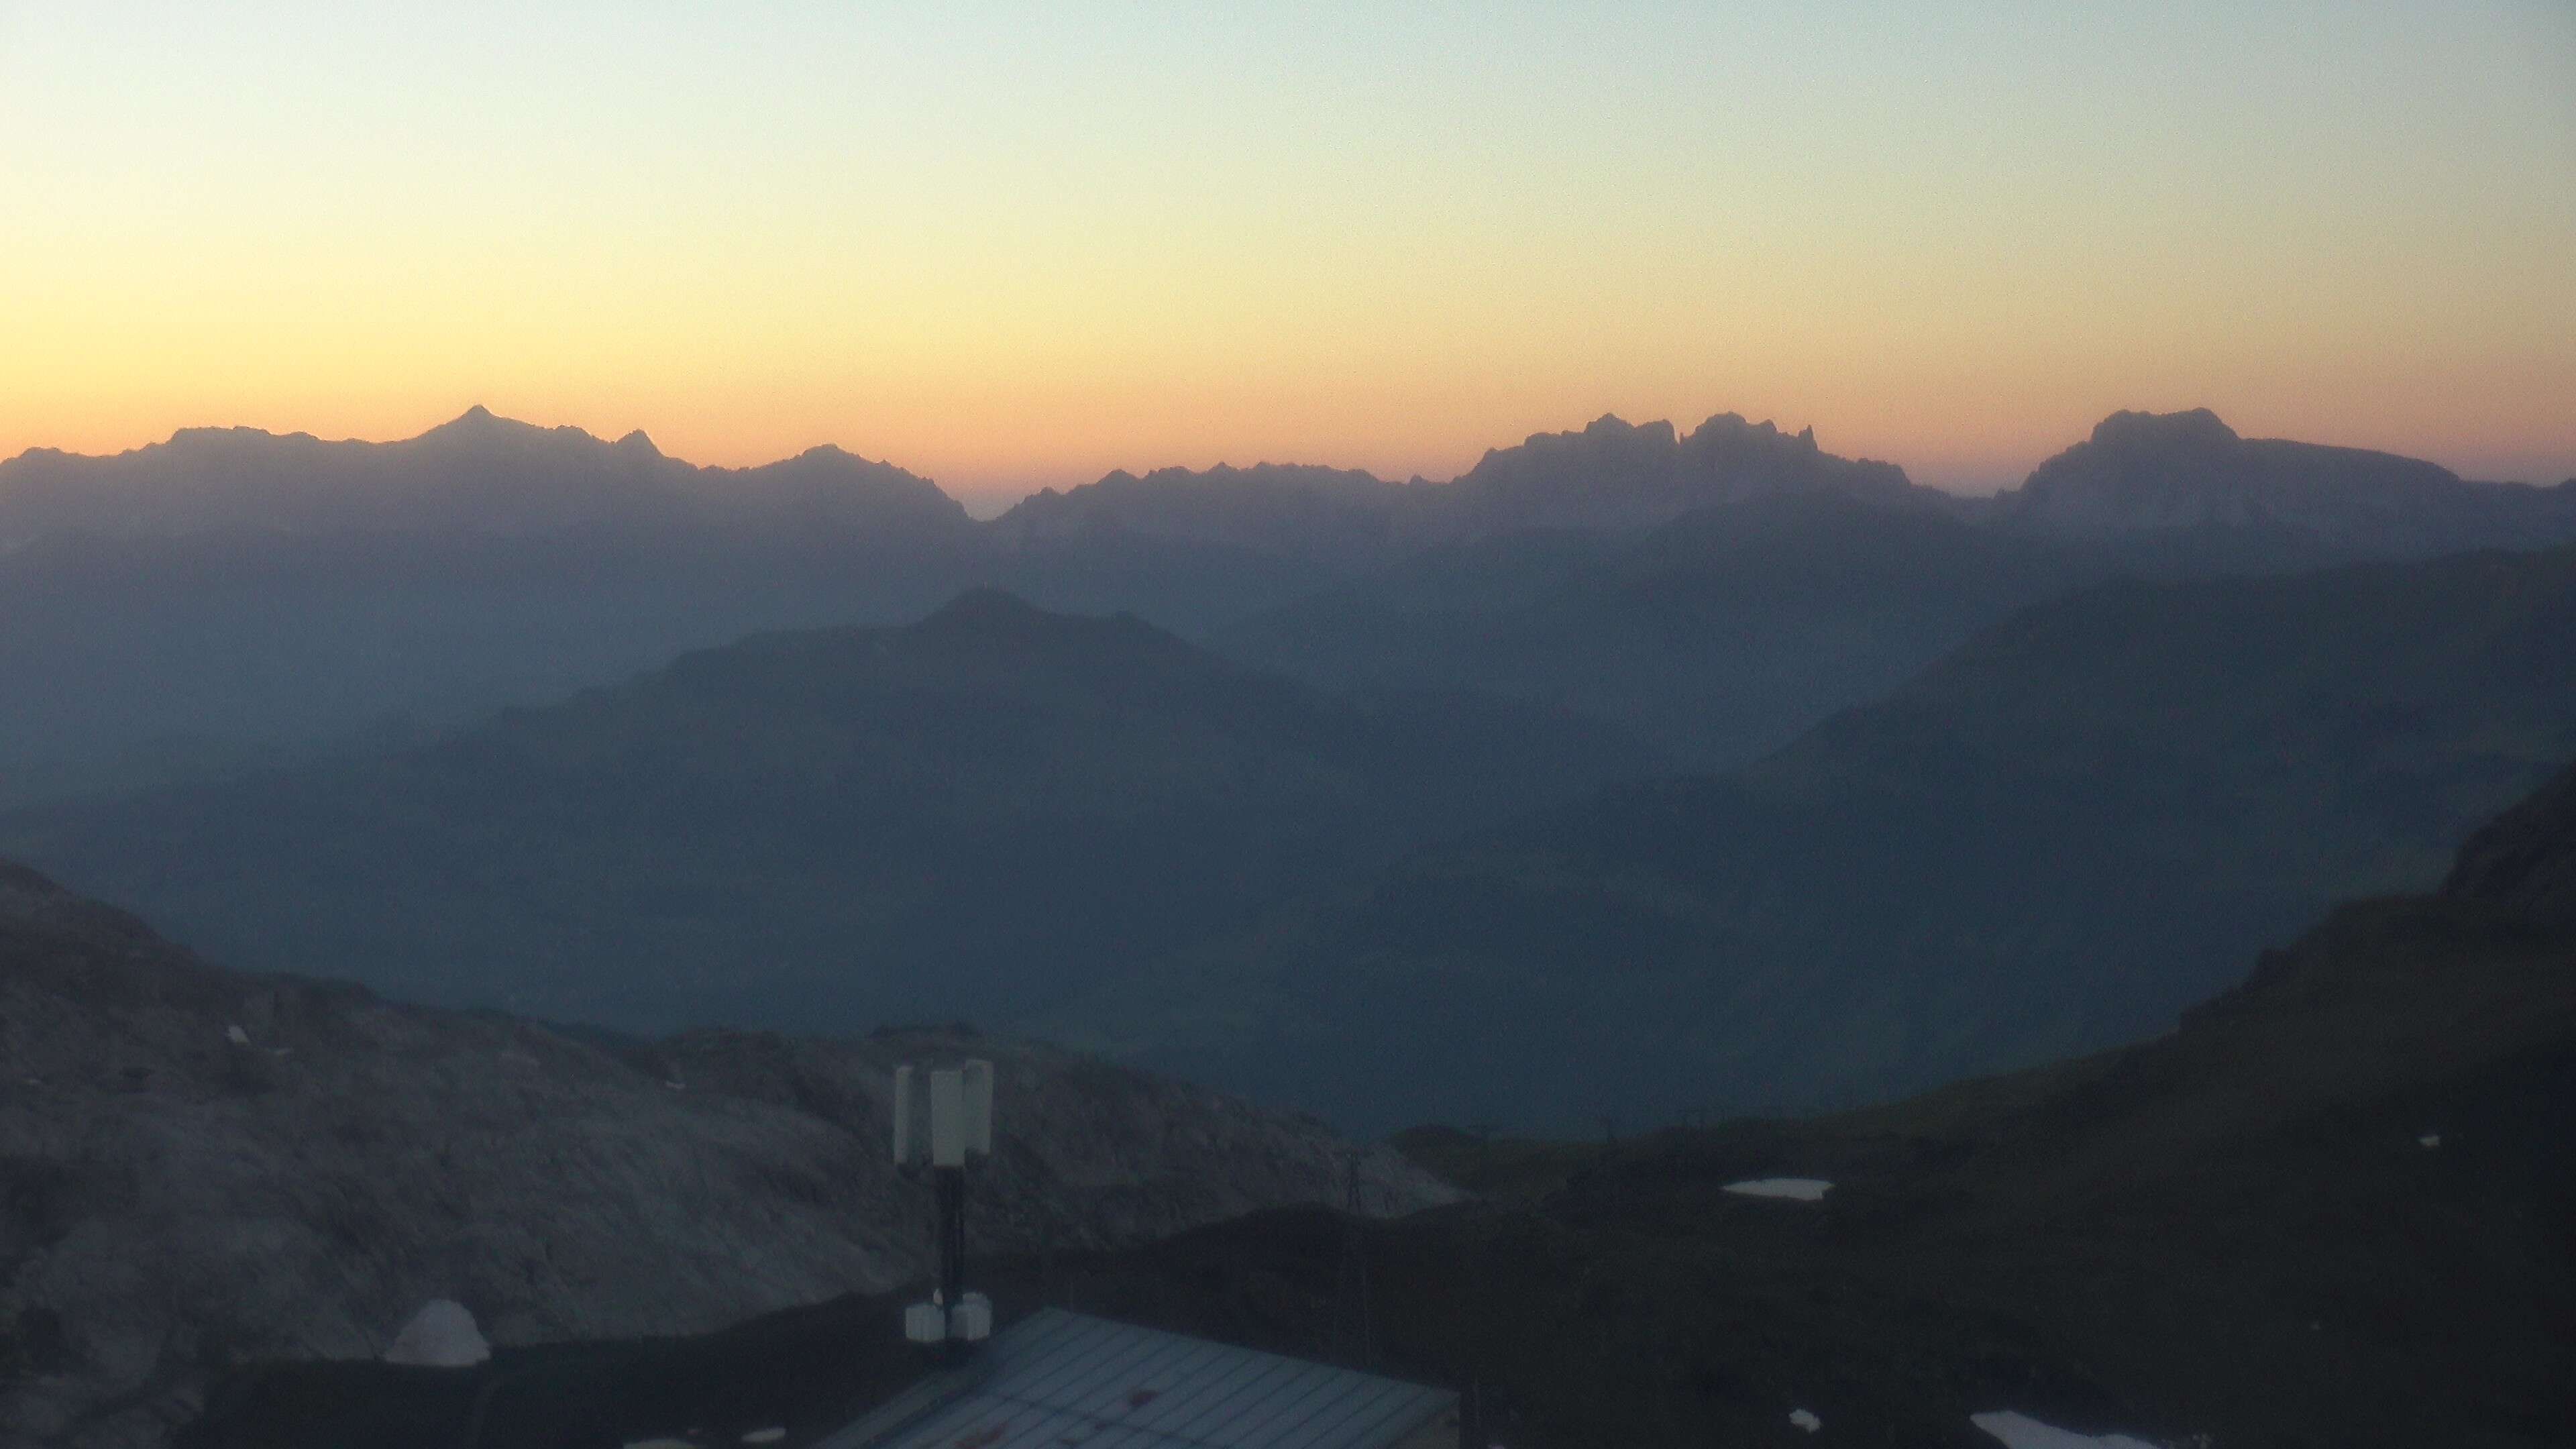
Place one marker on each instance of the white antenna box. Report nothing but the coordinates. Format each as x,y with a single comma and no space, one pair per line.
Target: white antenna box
942,1119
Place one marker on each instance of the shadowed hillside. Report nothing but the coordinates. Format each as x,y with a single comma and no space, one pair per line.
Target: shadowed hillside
2053,841
969,816
1718,636
199,1167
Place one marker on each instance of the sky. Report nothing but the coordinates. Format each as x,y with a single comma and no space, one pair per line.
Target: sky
1015,246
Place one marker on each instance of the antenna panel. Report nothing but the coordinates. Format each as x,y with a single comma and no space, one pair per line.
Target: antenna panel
947,1119
902,1115
979,1107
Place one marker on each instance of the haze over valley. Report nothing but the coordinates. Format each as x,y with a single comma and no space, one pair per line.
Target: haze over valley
1582,747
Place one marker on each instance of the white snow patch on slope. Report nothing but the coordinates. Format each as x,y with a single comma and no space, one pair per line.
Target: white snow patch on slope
1804,1420
1802,1189
2020,1431
441,1335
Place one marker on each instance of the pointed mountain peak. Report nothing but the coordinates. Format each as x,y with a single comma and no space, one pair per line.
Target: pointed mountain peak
987,611
991,616
637,442
479,421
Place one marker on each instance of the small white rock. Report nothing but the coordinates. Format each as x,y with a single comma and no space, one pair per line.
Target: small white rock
1805,1420
441,1335
1796,1189
236,1035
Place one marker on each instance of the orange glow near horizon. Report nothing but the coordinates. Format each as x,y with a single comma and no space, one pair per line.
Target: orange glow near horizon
1015,253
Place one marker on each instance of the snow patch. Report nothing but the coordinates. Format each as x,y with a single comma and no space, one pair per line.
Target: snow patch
1804,1420
441,1335
769,1435
2020,1431
2429,1139
1800,1189
236,1035
665,1442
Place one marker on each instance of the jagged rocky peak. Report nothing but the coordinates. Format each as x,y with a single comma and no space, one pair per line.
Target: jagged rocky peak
1733,426
1621,475
1611,425
480,424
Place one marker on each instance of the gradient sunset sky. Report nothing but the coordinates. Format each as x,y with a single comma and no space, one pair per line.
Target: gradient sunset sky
1013,246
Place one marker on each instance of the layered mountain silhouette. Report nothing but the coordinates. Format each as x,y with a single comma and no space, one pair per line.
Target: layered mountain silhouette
1612,476
966,817
1719,635
2054,840
1724,631
478,475
211,601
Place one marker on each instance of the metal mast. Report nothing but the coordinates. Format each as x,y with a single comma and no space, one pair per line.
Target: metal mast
959,1105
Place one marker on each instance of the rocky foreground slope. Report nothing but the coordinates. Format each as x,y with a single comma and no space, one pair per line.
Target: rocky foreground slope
2333,1208
199,1167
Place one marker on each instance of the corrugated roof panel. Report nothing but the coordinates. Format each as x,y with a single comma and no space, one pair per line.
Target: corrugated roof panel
1065,1381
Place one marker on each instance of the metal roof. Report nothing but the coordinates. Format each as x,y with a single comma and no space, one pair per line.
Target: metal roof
1062,1379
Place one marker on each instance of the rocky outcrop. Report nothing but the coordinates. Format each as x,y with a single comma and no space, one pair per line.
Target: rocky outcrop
199,1166
2524,862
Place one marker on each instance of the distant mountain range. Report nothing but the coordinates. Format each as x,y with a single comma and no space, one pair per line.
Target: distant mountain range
183,607
968,817
2068,830
1722,632
479,475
